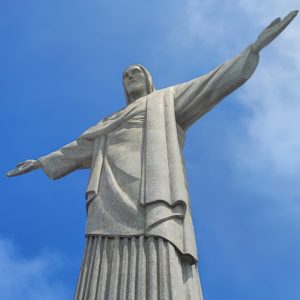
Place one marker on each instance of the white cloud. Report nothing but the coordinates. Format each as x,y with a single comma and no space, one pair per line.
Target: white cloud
260,10
270,143
271,97
273,141
211,25
30,279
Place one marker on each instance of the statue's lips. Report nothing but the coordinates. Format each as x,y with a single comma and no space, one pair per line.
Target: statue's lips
132,81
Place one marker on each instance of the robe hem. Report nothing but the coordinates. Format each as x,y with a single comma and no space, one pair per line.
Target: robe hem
185,256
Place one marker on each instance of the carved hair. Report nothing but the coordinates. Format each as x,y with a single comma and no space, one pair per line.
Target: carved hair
149,81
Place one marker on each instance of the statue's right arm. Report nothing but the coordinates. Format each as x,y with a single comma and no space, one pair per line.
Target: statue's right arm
73,156
196,97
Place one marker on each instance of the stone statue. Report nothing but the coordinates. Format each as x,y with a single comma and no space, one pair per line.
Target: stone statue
139,235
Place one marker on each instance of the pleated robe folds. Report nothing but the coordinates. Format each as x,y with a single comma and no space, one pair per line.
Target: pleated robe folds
136,268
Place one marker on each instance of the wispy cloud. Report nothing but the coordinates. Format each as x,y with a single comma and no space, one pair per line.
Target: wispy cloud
271,96
270,143
273,141
30,279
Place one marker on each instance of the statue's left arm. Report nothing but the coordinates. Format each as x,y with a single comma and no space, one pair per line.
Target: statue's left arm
196,97
75,155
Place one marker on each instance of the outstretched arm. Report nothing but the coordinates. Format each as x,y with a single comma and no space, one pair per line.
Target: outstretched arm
73,156
196,97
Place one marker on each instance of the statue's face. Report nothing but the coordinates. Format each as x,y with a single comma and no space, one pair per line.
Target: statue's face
135,82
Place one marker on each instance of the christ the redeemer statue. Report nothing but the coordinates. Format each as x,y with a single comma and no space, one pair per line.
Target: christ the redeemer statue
140,240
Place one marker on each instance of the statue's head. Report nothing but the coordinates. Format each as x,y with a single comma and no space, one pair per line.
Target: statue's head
137,82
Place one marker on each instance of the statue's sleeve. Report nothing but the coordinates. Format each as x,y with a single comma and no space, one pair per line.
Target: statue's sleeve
196,97
73,156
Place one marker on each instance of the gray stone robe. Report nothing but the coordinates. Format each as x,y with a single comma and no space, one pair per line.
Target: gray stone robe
137,184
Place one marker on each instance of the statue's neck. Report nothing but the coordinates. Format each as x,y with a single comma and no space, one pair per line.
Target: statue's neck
134,96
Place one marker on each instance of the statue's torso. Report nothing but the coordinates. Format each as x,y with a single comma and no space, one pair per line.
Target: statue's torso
116,210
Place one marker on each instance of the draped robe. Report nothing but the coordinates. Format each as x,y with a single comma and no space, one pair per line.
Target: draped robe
137,183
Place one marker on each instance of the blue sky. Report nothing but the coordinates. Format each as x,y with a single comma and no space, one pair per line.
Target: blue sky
61,66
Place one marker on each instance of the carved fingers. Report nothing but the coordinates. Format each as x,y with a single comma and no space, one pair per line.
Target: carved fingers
273,30
24,167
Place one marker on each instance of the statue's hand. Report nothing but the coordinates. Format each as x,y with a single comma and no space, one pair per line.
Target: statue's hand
272,31
24,167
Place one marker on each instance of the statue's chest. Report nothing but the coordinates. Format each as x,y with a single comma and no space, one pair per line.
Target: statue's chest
124,146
